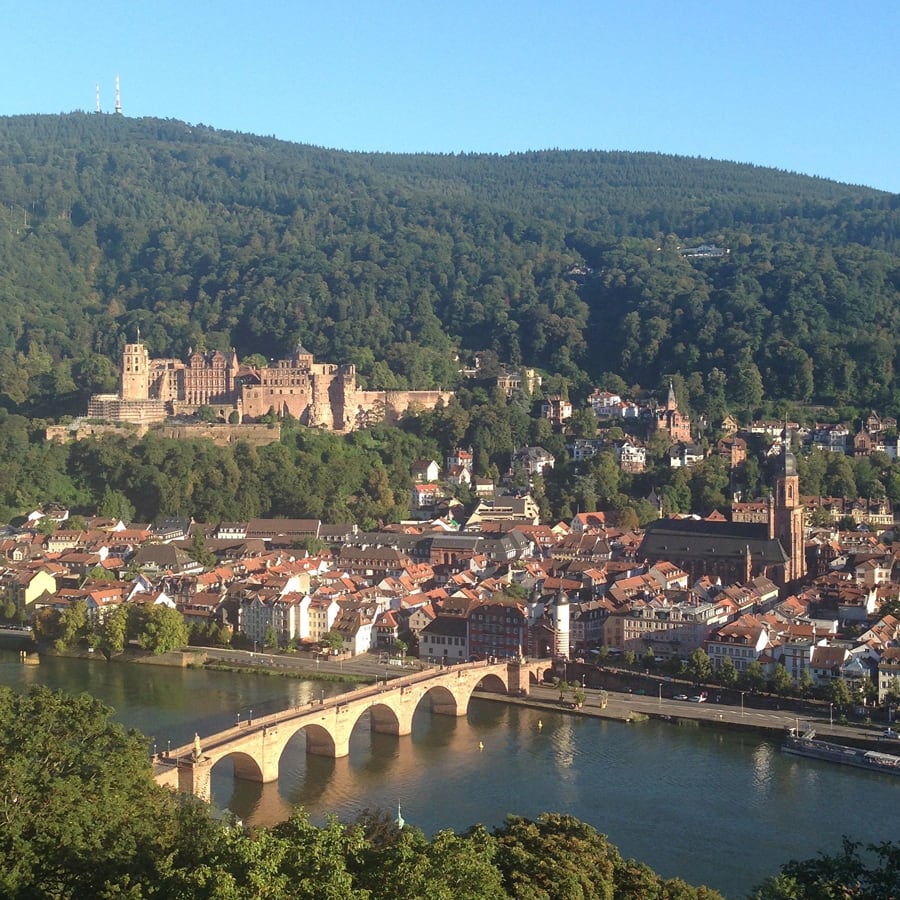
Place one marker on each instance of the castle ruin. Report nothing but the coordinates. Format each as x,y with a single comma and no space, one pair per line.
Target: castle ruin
321,395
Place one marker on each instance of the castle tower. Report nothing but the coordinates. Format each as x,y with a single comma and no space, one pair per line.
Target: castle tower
561,625
135,372
786,513
301,358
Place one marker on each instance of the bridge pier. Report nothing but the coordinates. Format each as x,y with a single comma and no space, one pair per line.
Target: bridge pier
518,678
194,776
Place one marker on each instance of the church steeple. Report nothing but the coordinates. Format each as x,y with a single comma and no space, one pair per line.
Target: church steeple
786,512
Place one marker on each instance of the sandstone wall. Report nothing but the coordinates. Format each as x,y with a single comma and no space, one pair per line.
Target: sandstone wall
223,435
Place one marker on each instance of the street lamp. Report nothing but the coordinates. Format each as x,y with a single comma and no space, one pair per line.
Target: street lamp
168,747
831,716
660,695
323,698
742,703
238,720
250,717
583,681
154,749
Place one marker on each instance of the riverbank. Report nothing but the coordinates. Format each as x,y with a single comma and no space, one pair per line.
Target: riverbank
222,660
629,708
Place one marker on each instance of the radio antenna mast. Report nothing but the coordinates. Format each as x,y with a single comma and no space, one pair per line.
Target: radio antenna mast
98,97
118,98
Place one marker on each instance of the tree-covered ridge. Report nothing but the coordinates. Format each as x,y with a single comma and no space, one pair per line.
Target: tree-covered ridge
560,259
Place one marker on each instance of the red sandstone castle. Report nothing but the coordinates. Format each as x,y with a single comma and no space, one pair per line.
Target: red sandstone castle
317,394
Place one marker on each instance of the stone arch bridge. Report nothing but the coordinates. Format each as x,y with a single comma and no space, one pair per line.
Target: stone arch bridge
255,747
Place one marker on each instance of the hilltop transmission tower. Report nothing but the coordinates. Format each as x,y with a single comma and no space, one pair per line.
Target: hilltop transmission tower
118,98
98,98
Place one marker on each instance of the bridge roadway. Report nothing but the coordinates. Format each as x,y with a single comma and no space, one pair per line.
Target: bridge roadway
255,747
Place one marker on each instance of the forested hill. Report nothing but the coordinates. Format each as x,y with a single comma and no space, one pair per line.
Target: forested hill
564,260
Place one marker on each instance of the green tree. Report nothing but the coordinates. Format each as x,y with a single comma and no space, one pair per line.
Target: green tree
781,681
270,638
447,867
73,624
583,423
805,683
555,857
563,686
892,694
333,640
159,628
753,678
8,610
114,630
100,573
728,674
115,505
81,814
869,872
838,693
199,552
840,480
700,666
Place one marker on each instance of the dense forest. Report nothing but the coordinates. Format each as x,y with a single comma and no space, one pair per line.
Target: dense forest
568,261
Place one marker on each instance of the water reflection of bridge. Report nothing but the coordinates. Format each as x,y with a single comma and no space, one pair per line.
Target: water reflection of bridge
255,747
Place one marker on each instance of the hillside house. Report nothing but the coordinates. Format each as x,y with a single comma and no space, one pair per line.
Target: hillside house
425,470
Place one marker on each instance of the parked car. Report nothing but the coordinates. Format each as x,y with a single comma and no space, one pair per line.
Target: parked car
680,697
890,733
699,698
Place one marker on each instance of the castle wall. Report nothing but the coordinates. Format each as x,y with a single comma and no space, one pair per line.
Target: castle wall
391,406
62,434
224,435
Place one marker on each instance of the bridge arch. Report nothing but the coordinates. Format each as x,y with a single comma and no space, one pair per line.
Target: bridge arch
492,682
245,765
384,718
320,741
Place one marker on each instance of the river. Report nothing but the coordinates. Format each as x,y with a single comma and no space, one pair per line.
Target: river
710,806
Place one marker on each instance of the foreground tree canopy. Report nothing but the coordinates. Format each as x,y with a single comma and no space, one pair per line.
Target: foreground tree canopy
82,817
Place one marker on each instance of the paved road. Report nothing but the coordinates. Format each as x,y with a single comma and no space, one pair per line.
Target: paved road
370,665
620,703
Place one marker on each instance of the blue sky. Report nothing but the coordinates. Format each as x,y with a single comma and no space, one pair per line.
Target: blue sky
810,87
